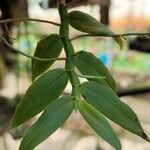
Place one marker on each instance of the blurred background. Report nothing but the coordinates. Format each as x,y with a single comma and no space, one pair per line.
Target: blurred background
129,66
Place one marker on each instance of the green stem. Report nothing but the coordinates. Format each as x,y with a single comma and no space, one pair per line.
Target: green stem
91,77
69,50
113,35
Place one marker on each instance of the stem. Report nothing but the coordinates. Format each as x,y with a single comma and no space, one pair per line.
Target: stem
69,50
113,35
24,54
27,19
92,77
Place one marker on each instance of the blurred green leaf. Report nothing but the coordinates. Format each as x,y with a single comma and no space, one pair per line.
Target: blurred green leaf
99,124
86,23
43,91
55,114
107,102
88,64
49,47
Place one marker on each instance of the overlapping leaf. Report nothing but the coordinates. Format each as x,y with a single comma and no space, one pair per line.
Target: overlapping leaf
86,23
55,114
88,64
43,91
99,124
107,102
49,47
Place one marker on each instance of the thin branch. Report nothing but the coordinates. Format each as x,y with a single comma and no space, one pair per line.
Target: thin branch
28,19
24,54
8,32
113,35
91,77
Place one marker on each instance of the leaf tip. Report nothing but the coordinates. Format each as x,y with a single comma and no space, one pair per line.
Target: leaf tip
144,136
119,41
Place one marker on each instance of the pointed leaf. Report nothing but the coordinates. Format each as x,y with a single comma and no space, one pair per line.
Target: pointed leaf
86,23
107,102
55,114
99,124
49,47
88,64
43,91
119,41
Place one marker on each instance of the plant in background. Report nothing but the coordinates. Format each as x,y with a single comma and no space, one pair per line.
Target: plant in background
95,99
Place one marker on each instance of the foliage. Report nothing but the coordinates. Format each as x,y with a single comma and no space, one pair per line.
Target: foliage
94,99
49,47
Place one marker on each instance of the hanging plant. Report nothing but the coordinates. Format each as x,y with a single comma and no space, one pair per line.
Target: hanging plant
95,99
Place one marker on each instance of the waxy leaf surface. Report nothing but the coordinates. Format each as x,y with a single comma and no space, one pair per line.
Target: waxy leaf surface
107,102
54,115
86,23
42,91
88,64
99,124
49,47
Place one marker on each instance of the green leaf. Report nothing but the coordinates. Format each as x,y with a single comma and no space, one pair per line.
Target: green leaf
99,124
43,91
55,114
49,47
86,23
88,64
119,41
107,102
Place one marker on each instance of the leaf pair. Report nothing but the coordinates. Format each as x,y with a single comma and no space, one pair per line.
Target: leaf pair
104,100
86,23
